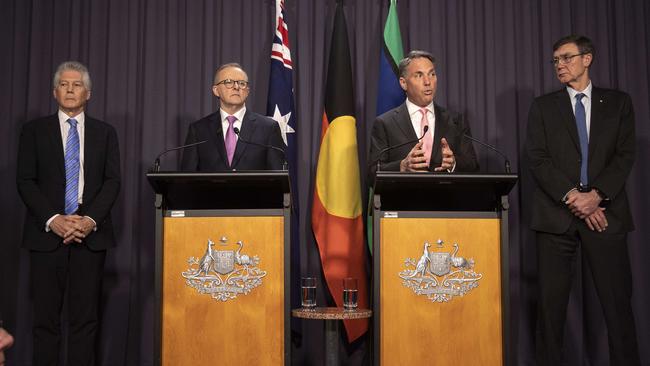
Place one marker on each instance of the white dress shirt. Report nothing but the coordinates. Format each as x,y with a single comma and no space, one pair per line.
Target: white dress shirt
416,119
224,122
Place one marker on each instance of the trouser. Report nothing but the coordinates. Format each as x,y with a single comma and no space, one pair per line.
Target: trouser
79,270
608,260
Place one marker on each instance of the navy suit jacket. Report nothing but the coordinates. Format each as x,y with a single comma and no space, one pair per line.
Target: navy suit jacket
41,180
211,156
553,151
394,127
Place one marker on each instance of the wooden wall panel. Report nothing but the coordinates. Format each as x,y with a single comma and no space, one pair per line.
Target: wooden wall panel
248,330
464,331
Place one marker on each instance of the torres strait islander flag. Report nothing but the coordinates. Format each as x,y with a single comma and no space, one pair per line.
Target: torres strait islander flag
336,212
389,93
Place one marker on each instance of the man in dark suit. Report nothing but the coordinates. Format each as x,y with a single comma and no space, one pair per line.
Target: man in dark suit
68,176
225,149
580,145
442,147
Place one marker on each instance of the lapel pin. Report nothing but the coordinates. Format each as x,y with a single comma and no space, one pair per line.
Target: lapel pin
601,100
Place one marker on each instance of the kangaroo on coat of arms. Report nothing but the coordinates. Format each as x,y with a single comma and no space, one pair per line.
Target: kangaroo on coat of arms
440,275
223,273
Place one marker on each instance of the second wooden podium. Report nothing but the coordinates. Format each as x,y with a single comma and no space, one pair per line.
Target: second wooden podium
440,270
222,268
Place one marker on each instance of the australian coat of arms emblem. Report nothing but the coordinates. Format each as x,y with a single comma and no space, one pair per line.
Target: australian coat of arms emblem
223,274
440,275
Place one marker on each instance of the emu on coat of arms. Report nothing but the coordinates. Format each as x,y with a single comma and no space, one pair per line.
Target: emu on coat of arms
440,275
223,273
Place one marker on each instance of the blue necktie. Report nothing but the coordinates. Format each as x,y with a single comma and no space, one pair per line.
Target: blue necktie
581,122
72,169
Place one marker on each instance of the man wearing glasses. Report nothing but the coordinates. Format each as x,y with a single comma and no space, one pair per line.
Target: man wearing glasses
581,147
236,138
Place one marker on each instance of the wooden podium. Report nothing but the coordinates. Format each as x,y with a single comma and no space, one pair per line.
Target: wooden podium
222,268
440,269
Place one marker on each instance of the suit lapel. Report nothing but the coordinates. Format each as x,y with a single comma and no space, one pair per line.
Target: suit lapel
440,130
54,131
246,132
403,121
566,110
92,143
217,137
598,104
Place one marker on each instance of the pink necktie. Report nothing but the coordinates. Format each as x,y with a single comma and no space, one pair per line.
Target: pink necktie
428,141
231,139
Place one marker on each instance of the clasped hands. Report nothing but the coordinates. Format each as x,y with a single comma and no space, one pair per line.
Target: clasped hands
72,228
585,205
416,161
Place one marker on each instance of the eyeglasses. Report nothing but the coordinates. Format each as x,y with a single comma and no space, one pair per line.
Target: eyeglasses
565,59
243,84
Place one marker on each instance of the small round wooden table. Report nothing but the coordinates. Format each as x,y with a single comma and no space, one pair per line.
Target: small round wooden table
331,317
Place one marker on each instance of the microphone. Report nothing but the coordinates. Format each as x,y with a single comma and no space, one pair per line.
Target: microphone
387,149
507,162
284,156
156,163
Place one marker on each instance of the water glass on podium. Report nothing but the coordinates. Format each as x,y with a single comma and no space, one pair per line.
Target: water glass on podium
350,293
308,290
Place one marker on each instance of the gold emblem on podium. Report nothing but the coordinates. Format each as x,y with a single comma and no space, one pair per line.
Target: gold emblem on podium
223,274
440,275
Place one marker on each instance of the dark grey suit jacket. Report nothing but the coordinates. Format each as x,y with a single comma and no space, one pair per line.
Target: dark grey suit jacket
211,156
553,151
41,180
394,127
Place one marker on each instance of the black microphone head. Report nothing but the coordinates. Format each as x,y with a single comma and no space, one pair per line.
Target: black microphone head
425,129
236,130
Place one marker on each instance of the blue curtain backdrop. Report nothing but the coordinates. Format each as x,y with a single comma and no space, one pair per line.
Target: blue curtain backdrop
152,64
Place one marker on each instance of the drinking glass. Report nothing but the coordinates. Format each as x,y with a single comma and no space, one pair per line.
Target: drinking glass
308,286
350,293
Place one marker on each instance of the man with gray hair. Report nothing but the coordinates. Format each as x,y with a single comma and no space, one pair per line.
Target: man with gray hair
68,176
441,146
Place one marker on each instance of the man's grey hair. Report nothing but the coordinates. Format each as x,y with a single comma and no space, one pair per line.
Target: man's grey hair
225,66
403,64
74,66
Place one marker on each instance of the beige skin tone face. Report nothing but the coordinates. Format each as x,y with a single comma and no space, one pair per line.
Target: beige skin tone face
71,93
576,73
420,83
231,100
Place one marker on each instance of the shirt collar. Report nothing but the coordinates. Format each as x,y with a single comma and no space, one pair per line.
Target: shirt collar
239,114
586,92
63,118
413,108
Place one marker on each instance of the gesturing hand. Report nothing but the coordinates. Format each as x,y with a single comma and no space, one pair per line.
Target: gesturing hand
415,161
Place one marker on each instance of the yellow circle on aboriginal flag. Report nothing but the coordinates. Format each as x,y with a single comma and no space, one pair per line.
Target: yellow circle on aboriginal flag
337,176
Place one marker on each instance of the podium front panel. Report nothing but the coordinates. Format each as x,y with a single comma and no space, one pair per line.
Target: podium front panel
200,319
445,323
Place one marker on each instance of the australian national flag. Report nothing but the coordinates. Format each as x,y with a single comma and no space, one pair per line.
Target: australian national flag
280,107
280,102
